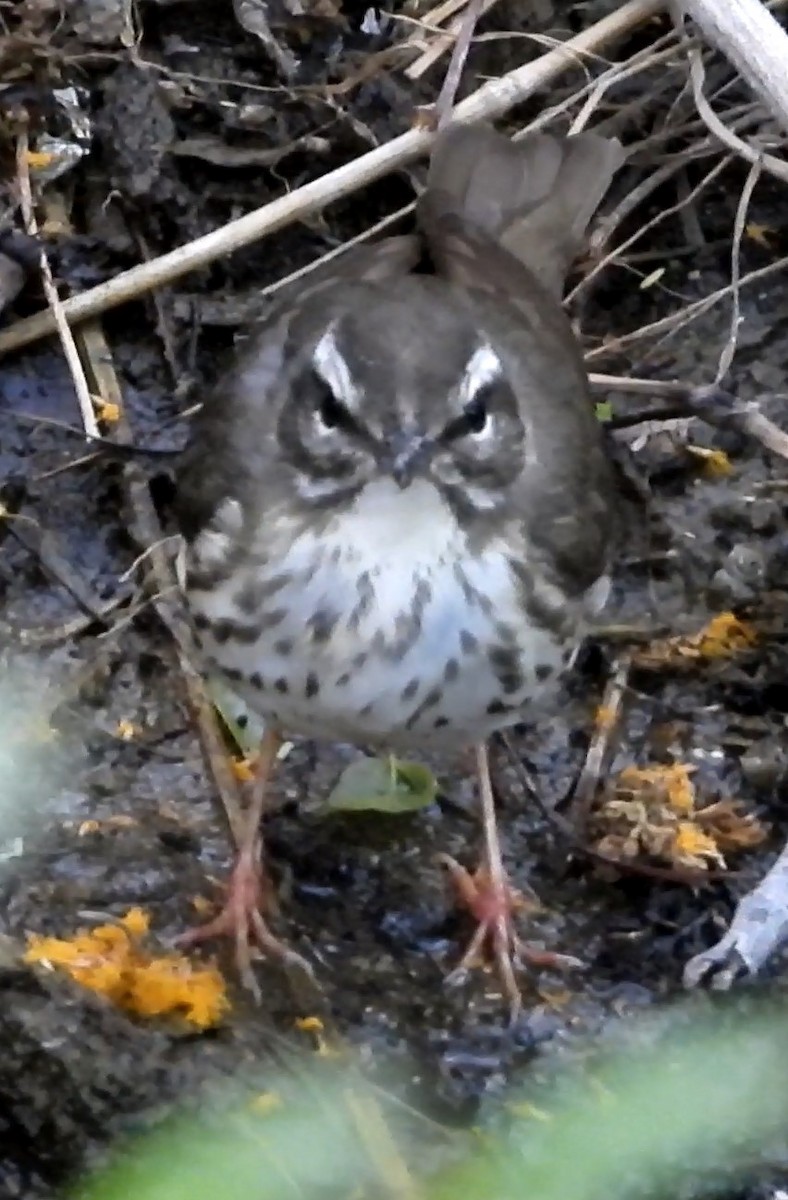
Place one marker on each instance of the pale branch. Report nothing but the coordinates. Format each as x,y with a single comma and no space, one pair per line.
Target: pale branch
747,34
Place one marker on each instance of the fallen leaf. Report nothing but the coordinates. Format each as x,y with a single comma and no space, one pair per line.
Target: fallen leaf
391,786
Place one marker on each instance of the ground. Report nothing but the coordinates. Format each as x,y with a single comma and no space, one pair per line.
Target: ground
361,897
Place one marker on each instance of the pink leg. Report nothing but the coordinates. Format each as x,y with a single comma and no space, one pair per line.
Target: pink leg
249,893
492,901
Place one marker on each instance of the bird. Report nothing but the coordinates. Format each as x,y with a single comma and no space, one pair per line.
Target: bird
397,510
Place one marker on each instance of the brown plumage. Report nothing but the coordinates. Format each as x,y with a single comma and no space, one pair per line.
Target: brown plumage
398,508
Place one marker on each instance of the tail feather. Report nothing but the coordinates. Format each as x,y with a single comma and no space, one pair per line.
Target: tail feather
535,197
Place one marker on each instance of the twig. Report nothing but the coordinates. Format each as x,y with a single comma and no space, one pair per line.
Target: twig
493,99
599,748
675,321
451,82
606,226
641,61
656,179
444,39
53,635
56,315
159,307
710,404
729,349
337,251
728,138
644,60
148,535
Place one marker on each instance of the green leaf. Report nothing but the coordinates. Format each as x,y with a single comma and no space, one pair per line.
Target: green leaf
244,727
390,786
604,411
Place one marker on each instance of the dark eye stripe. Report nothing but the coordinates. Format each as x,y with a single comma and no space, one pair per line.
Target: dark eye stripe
333,413
468,422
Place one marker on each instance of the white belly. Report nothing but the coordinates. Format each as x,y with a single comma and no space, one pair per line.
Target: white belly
414,615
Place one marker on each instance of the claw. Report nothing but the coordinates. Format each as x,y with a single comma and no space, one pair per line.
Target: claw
241,918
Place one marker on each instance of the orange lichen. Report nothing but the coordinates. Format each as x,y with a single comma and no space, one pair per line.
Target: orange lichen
107,410
324,1046
691,846
731,826
653,812
117,821
110,959
309,1025
669,784
723,636
37,160
242,769
715,463
605,717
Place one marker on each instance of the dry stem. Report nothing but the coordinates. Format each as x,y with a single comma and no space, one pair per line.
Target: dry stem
56,312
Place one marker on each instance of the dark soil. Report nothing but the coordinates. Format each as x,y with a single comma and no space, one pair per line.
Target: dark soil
361,897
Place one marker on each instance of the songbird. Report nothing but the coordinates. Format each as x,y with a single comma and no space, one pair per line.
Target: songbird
397,507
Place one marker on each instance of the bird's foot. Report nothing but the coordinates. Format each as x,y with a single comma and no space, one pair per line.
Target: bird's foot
494,906
241,918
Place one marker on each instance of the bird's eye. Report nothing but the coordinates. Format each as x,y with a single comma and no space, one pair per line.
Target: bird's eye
475,414
330,411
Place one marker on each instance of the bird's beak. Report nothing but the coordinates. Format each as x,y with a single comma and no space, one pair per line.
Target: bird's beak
405,456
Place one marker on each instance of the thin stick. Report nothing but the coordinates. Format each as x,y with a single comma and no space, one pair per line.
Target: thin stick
675,321
599,748
493,99
728,138
146,531
649,184
710,404
729,349
438,47
56,314
337,251
448,93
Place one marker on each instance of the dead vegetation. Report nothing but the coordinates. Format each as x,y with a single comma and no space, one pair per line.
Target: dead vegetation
143,146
